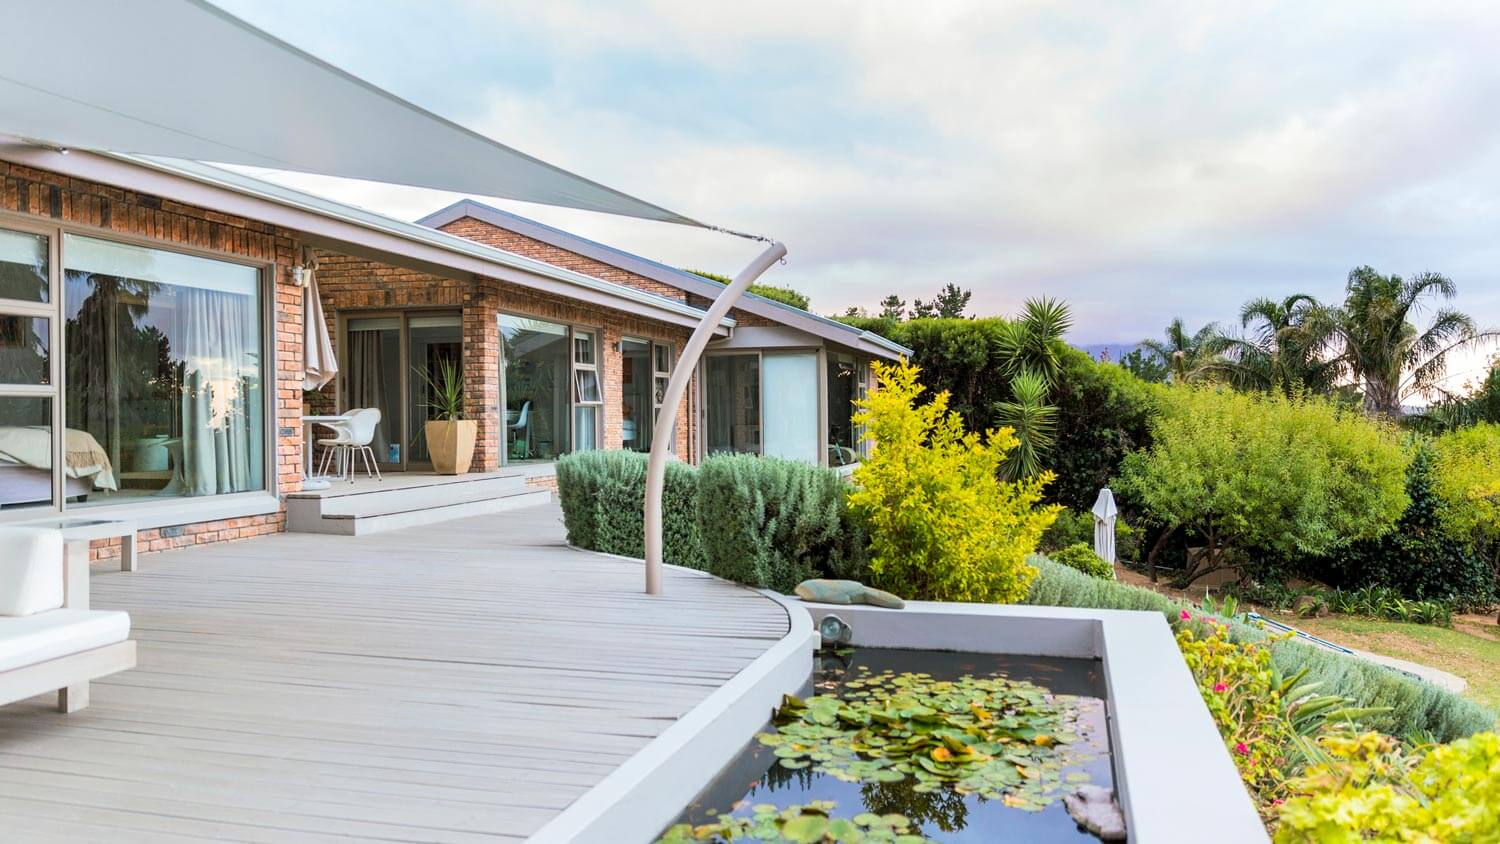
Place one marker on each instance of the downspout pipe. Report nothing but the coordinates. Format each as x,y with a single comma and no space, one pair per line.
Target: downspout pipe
667,418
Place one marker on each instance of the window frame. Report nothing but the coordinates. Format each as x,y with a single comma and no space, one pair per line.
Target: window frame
144,512
572,331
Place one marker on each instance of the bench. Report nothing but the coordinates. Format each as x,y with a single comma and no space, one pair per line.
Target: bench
49,638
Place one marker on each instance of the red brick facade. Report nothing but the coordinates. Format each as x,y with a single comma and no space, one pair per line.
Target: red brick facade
350,285
50,198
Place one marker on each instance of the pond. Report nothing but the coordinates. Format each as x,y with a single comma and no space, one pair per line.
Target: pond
794,763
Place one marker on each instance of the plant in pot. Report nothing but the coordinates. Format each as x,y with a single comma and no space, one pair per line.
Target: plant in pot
450,437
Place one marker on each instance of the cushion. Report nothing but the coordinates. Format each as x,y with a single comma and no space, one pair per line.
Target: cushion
31,570
30,639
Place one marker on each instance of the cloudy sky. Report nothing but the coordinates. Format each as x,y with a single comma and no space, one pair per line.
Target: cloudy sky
1141,160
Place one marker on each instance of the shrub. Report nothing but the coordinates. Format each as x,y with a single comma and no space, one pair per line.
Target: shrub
1103,413
1081,556
1418,558
1415,706
603,496
1369,788
1467,486
773,523
1240,688
941,525
1295,476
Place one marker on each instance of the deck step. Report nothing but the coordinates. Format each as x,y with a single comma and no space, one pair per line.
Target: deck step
367,510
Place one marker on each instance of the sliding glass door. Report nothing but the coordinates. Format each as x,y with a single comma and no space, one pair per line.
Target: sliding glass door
391,362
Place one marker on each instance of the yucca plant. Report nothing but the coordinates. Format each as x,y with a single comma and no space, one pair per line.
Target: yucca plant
445,391
1034,422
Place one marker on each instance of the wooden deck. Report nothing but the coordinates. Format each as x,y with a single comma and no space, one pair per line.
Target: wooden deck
459,682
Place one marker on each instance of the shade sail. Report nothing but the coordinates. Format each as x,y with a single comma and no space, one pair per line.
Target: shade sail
184,79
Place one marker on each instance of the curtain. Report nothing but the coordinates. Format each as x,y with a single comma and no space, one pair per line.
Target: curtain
217,346
366,371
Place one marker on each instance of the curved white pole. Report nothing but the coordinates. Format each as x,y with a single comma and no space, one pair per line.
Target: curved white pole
666,418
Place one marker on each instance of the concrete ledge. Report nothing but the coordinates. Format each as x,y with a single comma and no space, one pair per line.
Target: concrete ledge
1173,775
639,799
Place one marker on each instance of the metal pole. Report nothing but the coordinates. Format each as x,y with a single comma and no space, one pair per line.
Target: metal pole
666,418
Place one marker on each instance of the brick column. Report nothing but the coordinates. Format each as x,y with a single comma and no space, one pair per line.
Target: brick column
482,371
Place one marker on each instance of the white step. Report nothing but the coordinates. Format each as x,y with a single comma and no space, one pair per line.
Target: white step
395,493
305,519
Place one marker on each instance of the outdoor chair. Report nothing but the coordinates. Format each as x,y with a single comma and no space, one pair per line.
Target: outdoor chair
49,638
352,435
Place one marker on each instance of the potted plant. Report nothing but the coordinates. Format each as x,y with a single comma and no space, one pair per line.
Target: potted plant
450,437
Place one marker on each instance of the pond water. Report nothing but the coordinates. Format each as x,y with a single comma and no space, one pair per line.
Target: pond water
943,815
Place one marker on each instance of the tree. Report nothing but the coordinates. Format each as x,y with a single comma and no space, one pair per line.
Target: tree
893,307
1286,348
784,295
1185,355
1290,476
1383,351
1103,414
950,303
1467,484
942,525
1031,352
1145,365
1481,403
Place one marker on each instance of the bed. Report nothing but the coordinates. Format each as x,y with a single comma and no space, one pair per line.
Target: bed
26,465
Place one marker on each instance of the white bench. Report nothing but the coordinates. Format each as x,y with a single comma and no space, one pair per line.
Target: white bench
49,638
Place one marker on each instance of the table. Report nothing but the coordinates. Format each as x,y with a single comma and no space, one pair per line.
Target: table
78,532
308,481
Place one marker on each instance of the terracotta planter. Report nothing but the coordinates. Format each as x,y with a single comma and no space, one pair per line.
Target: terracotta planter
451,445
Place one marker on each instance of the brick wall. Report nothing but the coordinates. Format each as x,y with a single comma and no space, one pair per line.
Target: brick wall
57,199
349,285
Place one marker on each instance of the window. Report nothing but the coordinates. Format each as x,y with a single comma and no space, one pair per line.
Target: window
732,404
843,388
645,369
553,395
26,454
24,274
588,399
164,380
789,416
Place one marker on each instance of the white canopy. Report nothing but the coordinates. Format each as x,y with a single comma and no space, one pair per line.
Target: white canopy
184,79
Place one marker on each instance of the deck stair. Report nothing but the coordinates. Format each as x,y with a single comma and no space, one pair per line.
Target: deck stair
368,506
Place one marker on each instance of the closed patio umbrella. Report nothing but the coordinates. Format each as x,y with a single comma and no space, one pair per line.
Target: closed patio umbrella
1104,525
320,365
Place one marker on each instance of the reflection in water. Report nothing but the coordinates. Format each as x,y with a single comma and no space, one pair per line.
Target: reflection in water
944,814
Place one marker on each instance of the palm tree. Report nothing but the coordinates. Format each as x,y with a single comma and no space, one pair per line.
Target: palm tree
1186,356
1286,350
1031,351
1386,355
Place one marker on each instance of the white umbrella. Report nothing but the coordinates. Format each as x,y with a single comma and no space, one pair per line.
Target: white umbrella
1104,525
319,365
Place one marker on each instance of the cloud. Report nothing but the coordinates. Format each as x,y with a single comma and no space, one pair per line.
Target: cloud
1142,160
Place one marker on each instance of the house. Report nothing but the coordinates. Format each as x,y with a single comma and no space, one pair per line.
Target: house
153,311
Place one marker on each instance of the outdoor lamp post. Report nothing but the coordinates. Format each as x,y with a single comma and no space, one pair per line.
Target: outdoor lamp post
666,417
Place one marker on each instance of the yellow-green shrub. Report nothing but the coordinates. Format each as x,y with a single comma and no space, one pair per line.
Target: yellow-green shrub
942,526
1239,686
1467,485
1367,788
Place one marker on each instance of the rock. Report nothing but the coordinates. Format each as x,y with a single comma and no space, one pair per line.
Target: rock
1093,808
846,592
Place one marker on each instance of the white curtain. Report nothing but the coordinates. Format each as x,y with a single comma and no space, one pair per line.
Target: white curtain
217,340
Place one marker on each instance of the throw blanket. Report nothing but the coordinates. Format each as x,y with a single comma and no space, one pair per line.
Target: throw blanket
31,445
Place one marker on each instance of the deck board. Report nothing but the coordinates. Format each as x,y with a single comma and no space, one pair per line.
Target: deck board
464,681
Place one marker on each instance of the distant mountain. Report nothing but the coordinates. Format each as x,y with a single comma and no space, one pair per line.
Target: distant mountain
1113,351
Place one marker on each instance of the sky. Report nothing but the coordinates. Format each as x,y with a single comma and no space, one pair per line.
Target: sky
1142,161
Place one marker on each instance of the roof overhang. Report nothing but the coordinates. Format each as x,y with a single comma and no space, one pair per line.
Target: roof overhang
344,227
821,327
187,80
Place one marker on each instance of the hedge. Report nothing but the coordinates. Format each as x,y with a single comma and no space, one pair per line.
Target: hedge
1416,707
760,521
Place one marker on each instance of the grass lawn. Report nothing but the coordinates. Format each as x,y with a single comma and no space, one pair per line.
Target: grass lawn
1466,650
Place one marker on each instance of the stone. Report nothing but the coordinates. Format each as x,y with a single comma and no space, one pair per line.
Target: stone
1093,807
846,592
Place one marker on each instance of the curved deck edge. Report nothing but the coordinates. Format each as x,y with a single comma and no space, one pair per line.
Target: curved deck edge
637,800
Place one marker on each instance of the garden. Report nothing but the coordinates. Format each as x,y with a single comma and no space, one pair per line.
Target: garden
1278,465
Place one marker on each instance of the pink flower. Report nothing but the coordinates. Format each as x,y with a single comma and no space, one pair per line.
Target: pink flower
1187,616
1241,749
1220,687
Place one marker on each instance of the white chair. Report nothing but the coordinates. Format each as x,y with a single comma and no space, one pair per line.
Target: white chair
520,431
352,435
49,638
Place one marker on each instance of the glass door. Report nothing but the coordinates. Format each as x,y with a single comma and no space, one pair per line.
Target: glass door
391,362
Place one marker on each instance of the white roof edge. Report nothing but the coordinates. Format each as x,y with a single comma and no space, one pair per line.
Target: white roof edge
798,318
322,206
